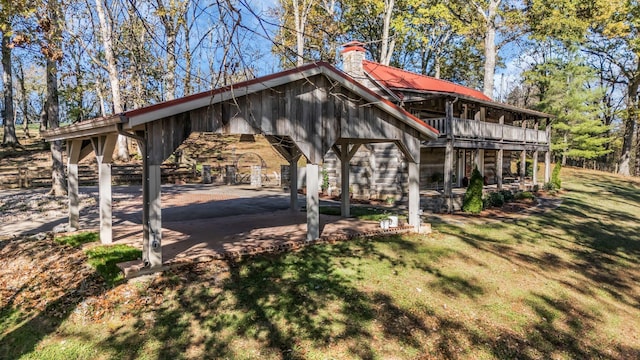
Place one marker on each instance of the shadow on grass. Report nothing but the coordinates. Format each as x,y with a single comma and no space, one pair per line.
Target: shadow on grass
44,301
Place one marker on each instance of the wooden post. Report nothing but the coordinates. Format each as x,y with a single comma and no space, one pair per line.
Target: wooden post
345,201
523,158
535,167
155,217
104,185
547,155
345,154
499,166
313,203
293,184
500,155
73,150
547,167
448,158
103,147
535,156
414,194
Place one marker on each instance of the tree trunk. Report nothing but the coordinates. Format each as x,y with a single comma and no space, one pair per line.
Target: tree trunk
122,152
24,102
9,138
386,49
629,126
300,20
58,181
490,51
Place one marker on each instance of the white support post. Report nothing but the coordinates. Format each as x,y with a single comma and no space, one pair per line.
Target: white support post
346,155
74,152
345,201
414,195
313,203
155,217
293,186
547,167
448,169
535,168
103,147
523,168
104,185
74,198
448,158
499,166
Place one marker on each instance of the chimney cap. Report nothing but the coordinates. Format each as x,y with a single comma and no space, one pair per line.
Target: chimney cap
353,46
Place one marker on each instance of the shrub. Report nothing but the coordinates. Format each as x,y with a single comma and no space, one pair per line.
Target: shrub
507,195
472,202
547,186
555,176
536,188
528,195
495,199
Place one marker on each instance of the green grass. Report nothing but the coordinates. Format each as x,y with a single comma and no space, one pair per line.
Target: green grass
562,285
105,258
77,240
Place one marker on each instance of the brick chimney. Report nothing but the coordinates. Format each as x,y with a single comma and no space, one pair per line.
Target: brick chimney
352,55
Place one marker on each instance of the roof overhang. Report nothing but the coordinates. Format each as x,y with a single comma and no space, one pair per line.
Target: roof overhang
491,104
134,118
85,129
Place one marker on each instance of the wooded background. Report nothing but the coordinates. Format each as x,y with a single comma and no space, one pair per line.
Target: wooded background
70,60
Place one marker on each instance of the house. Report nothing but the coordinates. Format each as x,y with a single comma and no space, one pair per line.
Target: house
474,131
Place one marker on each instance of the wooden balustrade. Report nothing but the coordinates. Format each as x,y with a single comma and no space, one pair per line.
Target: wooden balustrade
472,129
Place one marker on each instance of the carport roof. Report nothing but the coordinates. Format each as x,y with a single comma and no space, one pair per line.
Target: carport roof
133,118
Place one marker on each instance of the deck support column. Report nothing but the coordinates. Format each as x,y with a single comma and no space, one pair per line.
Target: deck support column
153,207
103,146
547,167
523,158
414,194
73,150
523,168
535,168
293,184
499,166
448,159
313,202
547,155
345,154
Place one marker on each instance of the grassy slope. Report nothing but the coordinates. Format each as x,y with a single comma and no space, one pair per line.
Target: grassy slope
564,284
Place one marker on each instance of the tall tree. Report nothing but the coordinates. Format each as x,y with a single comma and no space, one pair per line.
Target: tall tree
106,34
51,24
564,87
10,13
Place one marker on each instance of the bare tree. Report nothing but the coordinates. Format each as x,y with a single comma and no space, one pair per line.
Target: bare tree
387,45
51,24
106,33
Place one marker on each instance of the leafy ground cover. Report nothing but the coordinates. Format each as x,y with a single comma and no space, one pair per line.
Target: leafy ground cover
561,284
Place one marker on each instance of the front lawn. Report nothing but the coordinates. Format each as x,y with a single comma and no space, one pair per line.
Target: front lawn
562,284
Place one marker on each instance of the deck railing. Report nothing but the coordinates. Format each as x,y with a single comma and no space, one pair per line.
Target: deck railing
472,129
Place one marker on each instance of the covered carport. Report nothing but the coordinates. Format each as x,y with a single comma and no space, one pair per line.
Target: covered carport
302,112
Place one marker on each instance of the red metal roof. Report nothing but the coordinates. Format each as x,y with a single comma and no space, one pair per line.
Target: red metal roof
394,78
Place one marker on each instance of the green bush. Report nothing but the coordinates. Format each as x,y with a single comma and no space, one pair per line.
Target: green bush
524,195
555,176
472,202
547,186
507,195
495,199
